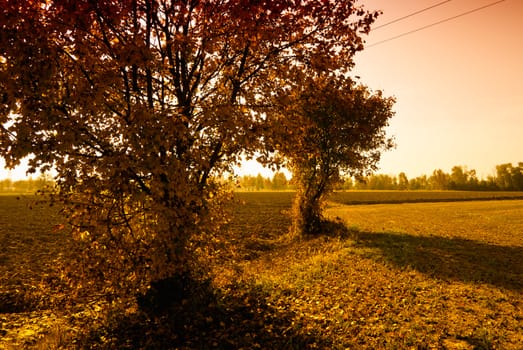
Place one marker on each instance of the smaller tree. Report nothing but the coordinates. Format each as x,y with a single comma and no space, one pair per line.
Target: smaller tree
339,129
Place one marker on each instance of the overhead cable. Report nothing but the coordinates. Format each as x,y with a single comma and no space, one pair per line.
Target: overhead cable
411,14
435,23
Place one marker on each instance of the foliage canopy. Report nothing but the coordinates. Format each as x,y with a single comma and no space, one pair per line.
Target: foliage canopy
139,104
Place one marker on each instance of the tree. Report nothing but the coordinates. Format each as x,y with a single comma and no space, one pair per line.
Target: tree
472,180
381,182
517,177
347,184
419,183
139,104
510,177
403,181
439,180
248,182
6,185
260,182
504,178
458,178
279,181
342,132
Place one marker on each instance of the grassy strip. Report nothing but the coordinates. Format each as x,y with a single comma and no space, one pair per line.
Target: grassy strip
394,197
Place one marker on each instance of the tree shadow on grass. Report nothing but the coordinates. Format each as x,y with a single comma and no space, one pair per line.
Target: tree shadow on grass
16,301
241,319
450,259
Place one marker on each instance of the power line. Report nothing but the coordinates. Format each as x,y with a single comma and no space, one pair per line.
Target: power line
411,14
435,23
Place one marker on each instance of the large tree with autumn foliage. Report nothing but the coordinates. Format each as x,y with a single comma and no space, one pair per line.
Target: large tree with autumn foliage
138,105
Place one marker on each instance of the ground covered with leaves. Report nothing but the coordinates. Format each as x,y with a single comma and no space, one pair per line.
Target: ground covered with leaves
383,276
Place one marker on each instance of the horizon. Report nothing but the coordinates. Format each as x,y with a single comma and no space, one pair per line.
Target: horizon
253,168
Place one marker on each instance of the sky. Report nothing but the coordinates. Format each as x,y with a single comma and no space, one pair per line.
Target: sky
458,84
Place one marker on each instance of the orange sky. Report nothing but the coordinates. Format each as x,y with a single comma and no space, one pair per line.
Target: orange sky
459,84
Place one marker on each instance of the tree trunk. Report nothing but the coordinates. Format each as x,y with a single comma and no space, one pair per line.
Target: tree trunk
307,216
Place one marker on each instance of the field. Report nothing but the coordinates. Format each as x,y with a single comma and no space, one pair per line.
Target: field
391,197
423,275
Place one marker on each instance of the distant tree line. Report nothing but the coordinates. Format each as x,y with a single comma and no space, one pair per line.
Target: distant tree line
278,182
29,185
508,177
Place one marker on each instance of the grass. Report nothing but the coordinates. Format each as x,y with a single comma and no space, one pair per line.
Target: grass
445,275
391,197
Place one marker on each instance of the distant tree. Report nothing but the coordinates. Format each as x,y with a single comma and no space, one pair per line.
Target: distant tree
340,130
360,183
348,183
504,176
6,185
517,177
458,178
381,182
403,181
419,183
279,181
439,180
472,180
248,182
260,182
138,105
27,185
509,177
